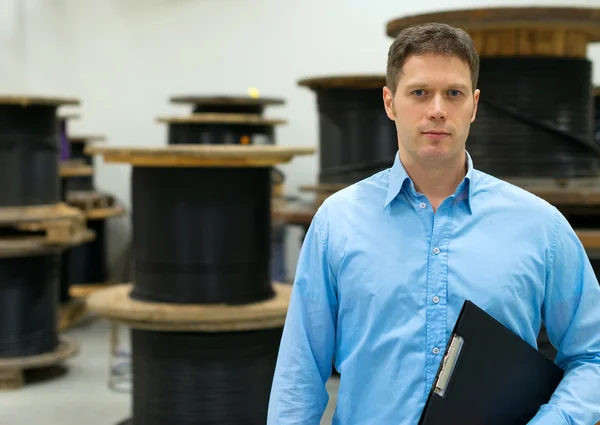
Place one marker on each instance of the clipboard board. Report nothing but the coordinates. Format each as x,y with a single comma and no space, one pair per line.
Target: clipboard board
488,376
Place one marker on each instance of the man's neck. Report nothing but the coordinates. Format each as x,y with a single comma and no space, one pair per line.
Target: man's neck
436,182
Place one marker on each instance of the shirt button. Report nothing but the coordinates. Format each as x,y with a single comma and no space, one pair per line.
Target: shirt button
436,299
423,205
436,250
436,350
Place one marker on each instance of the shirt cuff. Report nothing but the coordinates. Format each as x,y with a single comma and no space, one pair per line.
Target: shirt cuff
547,416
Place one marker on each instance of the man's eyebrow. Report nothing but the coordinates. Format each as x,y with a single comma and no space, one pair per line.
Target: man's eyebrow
418,85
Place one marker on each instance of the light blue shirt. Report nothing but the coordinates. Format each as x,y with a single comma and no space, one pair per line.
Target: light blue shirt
381,280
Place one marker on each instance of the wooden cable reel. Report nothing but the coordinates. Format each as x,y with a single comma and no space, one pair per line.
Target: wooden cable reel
35,228
356,138
202,308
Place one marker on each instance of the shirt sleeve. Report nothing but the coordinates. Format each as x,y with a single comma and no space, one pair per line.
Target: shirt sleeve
304,363
571,313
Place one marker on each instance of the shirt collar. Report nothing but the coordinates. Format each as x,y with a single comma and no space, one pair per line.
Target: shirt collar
398,178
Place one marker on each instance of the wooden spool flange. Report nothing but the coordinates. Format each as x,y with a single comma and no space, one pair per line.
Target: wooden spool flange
519,31
73,169
62,227
95,205
12,369
218,118
68,116
25,101
115,304
344,81
227,103
199,155
84,139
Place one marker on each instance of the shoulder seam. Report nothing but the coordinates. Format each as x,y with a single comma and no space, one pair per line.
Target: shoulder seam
553,241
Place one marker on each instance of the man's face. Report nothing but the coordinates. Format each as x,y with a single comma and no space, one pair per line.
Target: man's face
433,107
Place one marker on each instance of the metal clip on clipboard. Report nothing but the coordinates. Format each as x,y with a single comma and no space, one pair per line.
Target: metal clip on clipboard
448,364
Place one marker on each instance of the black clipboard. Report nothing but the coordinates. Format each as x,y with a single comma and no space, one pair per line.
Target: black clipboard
488,376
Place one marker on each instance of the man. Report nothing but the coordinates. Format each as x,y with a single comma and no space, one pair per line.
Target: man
387,263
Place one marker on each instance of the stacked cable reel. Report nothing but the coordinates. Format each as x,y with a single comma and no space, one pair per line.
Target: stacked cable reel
35,228
356,138
87,265
205,317
218,120
535,125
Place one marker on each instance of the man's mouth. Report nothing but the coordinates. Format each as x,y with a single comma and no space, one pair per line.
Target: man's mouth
436,134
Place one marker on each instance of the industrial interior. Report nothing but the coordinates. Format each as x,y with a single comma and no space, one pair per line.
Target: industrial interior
162,160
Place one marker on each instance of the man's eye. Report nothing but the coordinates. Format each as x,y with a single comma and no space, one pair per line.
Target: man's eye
454,93
419,92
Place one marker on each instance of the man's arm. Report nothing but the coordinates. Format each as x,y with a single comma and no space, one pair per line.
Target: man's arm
298,393
571,313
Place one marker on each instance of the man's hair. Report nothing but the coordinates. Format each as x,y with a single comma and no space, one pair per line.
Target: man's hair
434,38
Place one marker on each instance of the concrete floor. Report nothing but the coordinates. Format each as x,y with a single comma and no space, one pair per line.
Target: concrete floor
82,396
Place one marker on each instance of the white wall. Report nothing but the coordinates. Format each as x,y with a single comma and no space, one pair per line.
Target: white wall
125,58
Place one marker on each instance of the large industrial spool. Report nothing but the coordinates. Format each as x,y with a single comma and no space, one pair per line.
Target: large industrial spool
234,120
530,122
77,145
219,120
86,266
356,137
532,128
35,228
206,319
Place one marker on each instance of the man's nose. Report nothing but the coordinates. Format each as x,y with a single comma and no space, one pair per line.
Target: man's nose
437,109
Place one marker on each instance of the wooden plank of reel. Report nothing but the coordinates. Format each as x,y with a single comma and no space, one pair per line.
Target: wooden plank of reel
518,31
220,118
199,155
12,369
115,304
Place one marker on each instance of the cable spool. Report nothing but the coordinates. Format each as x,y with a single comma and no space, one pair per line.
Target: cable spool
529,125
356,138
201,354
28,305
223,120
29,150
597,114
87,264
78,160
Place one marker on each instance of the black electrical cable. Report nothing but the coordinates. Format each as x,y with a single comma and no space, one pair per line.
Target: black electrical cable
201,235
229,108
356,137
534,118
28,305
220,134
597,118
87,263
77,152
214,378
29,155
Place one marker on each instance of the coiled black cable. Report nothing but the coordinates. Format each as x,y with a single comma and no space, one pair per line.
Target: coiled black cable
87,263
597,116
202,235
223,133
28,305
29,155
534,118
189,378
356,137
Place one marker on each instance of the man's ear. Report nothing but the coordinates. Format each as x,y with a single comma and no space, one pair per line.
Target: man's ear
388,102
475,103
